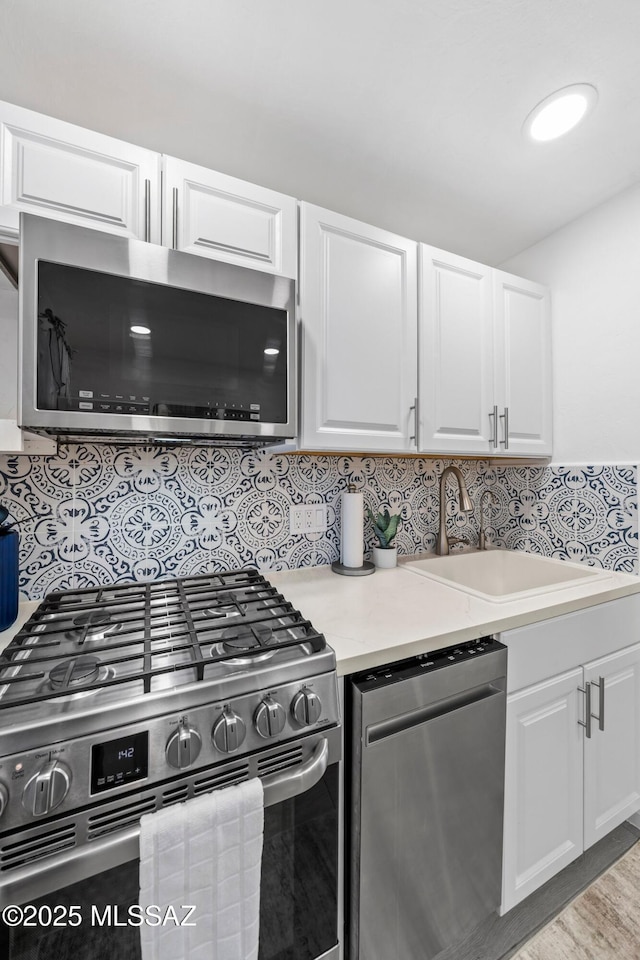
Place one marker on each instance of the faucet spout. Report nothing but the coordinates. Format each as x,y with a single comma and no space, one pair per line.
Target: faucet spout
442,541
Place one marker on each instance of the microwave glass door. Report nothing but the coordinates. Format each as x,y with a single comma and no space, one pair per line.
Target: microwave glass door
112,344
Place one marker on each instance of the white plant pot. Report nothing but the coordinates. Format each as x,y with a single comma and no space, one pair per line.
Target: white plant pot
385,557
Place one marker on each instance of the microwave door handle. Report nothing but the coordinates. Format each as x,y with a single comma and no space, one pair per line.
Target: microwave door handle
174,232
283,786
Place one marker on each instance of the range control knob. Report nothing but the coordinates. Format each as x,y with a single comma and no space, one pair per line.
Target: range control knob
228,732
270,718
306,707
46,789
183,746
4,798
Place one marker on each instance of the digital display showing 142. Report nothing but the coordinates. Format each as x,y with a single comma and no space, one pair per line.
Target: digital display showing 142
119,762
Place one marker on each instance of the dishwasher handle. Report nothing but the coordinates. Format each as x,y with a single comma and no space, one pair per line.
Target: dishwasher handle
440,708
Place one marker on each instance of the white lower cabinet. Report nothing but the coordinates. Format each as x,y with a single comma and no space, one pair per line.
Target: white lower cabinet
612,753
543,785
569,778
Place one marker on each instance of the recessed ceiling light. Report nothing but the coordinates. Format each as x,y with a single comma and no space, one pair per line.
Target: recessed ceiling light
560,112
142,331
271,352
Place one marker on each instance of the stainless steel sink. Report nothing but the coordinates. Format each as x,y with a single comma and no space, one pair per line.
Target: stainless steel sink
501,575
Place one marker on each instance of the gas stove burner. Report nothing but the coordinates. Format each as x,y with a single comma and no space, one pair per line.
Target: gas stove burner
242,639
226,599
76,672
250,641
94,625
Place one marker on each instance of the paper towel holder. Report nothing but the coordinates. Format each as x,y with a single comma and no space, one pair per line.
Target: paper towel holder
367,566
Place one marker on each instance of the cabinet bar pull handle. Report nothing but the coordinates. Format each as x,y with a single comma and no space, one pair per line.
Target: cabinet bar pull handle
505,416
147,210
600,716
175,219
586,723
417,423
494,418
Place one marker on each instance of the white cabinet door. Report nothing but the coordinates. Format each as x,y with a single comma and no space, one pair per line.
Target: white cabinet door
612,753
217,216
455,349
543,784
358,309
55,169
523,366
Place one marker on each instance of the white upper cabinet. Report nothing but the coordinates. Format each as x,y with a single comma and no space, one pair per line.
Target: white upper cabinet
485,360
214,215
358,310
523,365
455,354
56,169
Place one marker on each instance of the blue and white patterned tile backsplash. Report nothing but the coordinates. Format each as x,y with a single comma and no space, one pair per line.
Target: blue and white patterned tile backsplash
105,513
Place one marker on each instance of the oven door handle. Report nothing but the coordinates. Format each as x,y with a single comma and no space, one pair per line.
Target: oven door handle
283,786
39,878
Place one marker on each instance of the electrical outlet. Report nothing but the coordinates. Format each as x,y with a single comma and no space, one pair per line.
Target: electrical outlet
307,518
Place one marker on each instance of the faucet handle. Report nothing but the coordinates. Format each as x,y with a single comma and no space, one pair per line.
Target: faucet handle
482,539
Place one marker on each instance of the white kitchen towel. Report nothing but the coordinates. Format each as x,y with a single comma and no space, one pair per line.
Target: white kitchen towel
205,853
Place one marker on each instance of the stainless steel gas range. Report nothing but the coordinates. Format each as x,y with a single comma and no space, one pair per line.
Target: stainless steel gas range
120,700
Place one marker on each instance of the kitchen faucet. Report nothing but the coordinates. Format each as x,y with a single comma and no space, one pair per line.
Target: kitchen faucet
442,542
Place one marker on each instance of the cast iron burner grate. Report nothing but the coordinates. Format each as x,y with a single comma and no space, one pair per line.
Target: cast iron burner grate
163,628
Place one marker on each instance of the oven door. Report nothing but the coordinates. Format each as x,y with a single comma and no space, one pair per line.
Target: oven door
300,890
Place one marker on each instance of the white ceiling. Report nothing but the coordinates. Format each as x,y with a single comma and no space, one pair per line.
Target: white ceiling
404,113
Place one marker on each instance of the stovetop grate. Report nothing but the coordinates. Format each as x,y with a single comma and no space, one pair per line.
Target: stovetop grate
157,620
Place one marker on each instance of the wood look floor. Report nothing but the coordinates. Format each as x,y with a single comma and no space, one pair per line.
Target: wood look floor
500,938
603,923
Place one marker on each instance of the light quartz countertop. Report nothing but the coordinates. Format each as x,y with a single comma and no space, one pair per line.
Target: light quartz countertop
393,614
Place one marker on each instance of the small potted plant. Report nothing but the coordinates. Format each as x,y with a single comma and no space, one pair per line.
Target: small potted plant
385,527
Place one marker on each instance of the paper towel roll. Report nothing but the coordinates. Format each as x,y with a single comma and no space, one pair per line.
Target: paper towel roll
352,533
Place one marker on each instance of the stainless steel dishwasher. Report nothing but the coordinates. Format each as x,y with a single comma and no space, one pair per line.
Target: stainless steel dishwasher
427,800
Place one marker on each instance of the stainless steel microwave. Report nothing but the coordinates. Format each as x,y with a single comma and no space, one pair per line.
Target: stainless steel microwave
125,339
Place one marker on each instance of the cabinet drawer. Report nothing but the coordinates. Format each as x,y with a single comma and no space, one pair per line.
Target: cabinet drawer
542,650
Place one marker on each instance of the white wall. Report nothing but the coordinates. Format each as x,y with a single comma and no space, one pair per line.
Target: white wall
593,269
8,348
